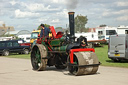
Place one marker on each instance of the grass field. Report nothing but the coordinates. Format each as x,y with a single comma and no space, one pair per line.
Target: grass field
101,52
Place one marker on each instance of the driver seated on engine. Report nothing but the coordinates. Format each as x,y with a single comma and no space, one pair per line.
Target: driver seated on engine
44,31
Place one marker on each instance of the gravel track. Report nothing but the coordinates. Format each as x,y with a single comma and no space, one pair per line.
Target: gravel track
14,71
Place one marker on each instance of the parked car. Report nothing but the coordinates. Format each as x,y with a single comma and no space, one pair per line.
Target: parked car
118,47
13,46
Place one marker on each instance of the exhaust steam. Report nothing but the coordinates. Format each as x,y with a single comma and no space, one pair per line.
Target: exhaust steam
71,4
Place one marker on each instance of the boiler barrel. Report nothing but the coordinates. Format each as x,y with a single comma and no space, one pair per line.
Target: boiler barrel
61,48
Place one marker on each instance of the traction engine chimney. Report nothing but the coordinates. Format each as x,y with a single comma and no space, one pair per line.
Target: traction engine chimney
72,26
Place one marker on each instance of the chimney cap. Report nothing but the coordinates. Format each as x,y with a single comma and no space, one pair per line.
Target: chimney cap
71,12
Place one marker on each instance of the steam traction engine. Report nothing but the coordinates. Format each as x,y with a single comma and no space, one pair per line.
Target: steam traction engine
64,51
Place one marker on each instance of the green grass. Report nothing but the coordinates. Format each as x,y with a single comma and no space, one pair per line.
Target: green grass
101,52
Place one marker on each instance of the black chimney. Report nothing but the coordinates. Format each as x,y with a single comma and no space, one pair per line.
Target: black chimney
71,25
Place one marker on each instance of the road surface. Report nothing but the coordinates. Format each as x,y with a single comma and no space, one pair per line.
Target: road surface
14,71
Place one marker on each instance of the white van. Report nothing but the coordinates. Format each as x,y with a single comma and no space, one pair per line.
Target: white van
118,47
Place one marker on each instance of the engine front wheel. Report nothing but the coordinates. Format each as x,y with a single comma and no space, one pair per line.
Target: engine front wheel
73,69
83,58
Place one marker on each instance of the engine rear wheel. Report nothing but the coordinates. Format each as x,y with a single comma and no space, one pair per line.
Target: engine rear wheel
38,52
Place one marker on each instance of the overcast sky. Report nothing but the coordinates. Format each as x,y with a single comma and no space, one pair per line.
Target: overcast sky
29,14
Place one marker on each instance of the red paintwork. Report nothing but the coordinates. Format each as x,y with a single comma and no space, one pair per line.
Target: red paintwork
39,40
59,35
49,48
79,50
25,44
53,31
